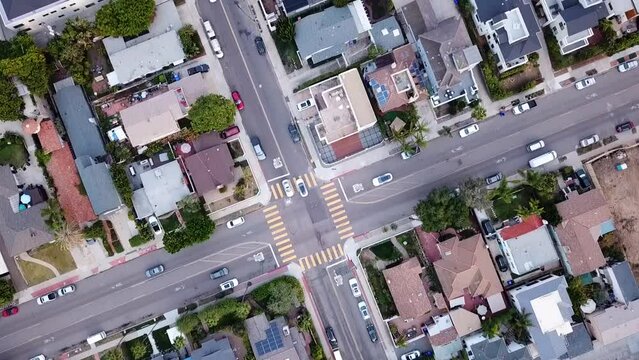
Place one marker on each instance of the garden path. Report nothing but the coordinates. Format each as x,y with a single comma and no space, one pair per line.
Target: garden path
26,257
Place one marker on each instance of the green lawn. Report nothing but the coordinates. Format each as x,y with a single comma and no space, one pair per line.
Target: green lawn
170,223
411,245
12,154
53,254
33,273
505,211
386,251
162,340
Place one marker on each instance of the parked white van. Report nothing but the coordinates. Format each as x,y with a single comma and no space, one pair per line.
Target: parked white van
96,337
542,159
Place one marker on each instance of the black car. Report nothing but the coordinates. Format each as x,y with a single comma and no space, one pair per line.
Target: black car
294,133
584,180
331,337
487,225
259,44
372,333
494,179
628,125
198,69
502,264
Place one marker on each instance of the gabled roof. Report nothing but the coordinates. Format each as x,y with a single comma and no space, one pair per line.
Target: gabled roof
214,350
528,225
585,217
496,349
210,168
625,282
466,264
465,322
387,34
407,289
615,323
20,231
578,18
98,184
578,341
164,186
153,119
79,122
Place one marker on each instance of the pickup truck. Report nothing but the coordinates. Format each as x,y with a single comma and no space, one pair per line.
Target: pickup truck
524,107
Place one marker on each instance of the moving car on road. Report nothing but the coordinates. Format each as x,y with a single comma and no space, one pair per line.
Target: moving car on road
259,44
589,140
354,287
584,83
219,273
228,285
235,222
66,290
155,225
628,65
542,159
534,146
257,147
10,311
414,150
301,187
237,99
494,178
294,133
383,179
469,130
46,298
411,355
332,340
372,333
154,271
363,309
626,126
202,68
288,188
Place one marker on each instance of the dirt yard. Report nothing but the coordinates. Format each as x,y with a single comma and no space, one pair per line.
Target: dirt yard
622,192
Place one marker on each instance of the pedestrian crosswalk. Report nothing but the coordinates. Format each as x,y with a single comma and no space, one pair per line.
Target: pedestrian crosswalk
336,209
327,255
278,191
283,244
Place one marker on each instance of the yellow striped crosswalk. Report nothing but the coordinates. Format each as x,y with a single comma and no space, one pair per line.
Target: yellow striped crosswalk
325,256
278,190
278,230
337,211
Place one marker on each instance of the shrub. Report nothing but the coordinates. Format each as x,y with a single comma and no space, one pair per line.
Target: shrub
225,312
198,228
138,240
188,323
190,41
279,295
125,17
212,112
95,231
6,292
121,182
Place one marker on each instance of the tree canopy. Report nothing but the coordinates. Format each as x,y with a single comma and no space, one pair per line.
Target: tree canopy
71,48
212,112
441,210
11,104
21,58
225,312
6,292
199,228
475,194
285,30
125,17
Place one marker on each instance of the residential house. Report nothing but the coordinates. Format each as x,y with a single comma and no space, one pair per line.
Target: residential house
614,323
213,349
275,340
585,218
407,289
466,272
151,51
162,188
482,348
620,278
155,118
550,311
528,246
623,10
210,169
87,145
571,21
191,87
510,28
21,228
465,322
387,34
32,15
391,78
444,338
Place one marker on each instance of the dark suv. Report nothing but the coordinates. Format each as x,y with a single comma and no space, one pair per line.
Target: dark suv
259,44
198,69
628,125
372,333
487,225
331,337
584,181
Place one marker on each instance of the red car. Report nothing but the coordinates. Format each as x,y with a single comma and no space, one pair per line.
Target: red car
237,100
10,311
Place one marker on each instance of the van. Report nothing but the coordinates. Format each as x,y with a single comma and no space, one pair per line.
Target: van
209,30
539,144
542,159
96,337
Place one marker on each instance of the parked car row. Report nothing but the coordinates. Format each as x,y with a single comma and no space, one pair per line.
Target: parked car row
215,43
63,291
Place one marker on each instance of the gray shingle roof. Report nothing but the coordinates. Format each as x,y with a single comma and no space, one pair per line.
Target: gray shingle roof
578,18
214,350
17,8
626,281
293,5
578,341
498,350
387,34
76,114
327,31
99,187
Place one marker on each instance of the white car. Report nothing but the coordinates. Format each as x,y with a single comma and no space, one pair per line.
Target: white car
414,150
217,49
288,188
584,83
301,187
235,222
411,355
364,310
589,140
66,290
305,104
38,357
628,65
228,285
382,179
46,298
354,287
469,130
155,225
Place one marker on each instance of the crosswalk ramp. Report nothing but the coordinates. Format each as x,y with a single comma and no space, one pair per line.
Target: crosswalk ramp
278,190
336,209
325,256
276,226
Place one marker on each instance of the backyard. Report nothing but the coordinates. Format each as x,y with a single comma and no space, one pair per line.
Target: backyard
12,151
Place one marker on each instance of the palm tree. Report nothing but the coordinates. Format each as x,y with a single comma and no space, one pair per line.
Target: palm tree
179,343
68,236
503,192
491,327
533,209
544,183
518,324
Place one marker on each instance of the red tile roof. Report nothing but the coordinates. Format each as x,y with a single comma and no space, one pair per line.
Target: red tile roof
76,206
49,137
529,224
407,289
